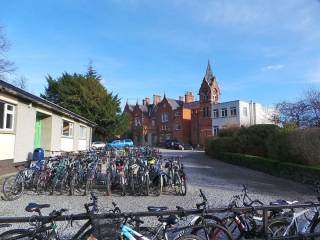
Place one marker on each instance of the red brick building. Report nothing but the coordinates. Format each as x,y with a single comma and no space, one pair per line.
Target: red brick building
185,120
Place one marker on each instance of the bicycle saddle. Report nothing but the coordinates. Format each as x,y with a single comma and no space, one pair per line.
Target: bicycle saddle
34,207
156,209
283,202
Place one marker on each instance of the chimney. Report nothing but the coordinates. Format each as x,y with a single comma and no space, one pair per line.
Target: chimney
146,101
156,99
188,97
182,98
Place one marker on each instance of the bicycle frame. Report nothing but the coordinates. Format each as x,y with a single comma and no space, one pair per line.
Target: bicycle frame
294,222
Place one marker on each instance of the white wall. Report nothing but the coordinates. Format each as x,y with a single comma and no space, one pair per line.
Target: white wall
256,114
66,144
228,121
7,146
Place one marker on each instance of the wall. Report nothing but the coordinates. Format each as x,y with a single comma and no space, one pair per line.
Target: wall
7,146
56,133
223,122
25,130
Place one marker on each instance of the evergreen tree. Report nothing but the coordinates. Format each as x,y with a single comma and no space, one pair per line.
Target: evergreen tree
85,95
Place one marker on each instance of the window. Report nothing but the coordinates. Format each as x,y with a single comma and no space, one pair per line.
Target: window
83,132
205,112
245,111
177,114
6,116
67,128
137,122
164,127
164,117
224,112
215,130
178,127
233,111
153,123
215,113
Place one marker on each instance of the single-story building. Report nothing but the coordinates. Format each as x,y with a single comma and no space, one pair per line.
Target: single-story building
28,122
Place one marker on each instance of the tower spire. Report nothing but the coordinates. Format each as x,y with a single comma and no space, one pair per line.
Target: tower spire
209,74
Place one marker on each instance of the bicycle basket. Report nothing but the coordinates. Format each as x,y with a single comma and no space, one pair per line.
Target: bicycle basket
106,228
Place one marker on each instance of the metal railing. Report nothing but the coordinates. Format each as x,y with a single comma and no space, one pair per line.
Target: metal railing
186,212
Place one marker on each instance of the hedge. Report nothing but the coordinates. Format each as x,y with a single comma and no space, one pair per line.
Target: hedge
296,172
299,146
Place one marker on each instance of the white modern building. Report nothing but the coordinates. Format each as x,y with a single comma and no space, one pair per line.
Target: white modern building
240,113
28,122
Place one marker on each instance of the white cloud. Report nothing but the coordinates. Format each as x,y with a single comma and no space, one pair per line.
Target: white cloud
272,67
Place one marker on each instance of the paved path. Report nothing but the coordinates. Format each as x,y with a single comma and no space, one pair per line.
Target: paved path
216,175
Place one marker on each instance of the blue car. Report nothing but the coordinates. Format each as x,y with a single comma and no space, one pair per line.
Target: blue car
120,143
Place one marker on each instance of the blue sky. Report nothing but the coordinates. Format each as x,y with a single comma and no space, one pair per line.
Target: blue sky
267,51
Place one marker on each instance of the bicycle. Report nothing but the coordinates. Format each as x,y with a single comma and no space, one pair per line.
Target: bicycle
39,230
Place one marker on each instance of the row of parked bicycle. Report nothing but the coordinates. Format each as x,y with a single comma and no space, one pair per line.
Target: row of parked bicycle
135,171
232,224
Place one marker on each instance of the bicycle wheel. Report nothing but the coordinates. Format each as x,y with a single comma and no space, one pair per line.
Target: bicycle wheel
13,187
315,228
230,224
218,232
159,185
279,228
147,185
41,183
107,183
22,234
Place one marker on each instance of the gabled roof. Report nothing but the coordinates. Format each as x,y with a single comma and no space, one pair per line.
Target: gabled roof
174,103
20,93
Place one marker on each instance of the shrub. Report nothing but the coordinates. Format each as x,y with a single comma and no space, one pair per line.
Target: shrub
301,146
296,172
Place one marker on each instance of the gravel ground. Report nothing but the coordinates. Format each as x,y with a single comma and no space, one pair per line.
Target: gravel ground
219,181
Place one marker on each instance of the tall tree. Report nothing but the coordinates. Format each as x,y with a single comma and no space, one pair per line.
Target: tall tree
84,94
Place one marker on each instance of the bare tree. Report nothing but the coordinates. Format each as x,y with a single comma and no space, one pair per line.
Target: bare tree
303,113
312,102
6,66
20,82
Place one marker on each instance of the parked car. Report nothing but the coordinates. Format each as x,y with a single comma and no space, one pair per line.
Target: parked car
170,143
120,143
98,145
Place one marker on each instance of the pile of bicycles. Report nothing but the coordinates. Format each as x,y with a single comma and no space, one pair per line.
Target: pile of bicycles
134,171
228,223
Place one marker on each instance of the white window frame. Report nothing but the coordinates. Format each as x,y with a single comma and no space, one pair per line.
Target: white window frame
224,112
177,127
215,113
8,112
215,130
164,117
71,128
83,132
233,111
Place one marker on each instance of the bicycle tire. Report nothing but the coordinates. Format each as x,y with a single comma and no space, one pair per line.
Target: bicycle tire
278,227
313,227
8,196
19,234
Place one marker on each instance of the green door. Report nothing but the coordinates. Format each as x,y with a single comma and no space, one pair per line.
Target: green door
37,135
